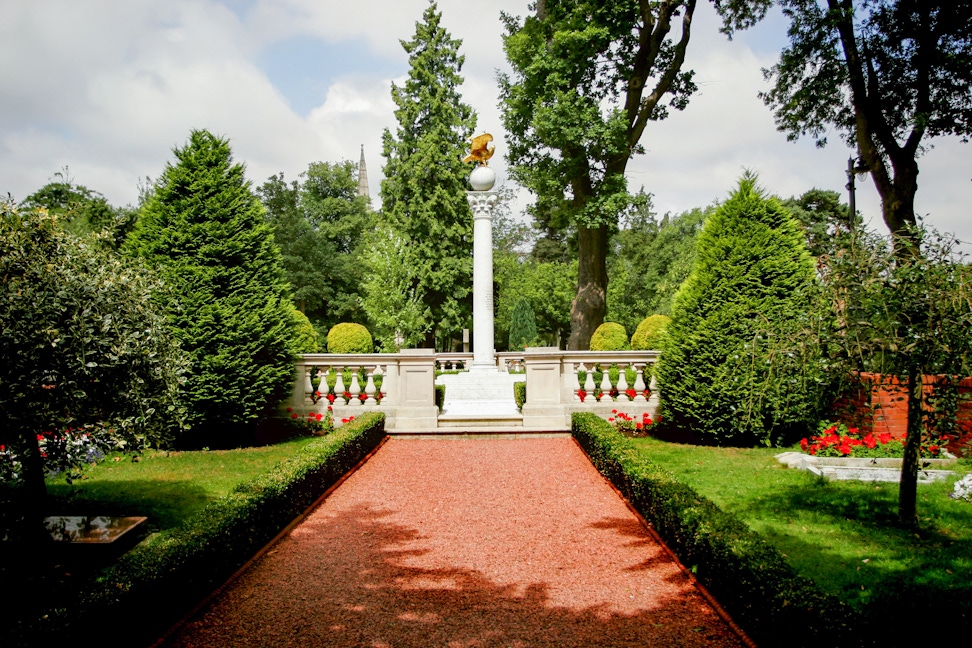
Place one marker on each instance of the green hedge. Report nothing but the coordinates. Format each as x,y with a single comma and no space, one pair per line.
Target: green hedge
519,393
440,396
155,583
748,577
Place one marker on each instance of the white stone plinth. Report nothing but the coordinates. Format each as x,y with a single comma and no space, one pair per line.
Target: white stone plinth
482,203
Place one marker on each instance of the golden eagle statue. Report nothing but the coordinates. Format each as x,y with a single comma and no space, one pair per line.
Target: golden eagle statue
478,151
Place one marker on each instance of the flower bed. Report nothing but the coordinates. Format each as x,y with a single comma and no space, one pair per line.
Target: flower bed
838,440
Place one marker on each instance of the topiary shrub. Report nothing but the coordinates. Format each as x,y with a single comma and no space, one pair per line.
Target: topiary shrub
721,374
609,336
306,337
523,326
519,394
650,333
349,338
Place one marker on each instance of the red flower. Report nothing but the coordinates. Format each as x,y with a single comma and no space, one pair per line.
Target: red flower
290,409
320,416
294,415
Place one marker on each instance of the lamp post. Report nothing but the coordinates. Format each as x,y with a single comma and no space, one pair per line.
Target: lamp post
854,167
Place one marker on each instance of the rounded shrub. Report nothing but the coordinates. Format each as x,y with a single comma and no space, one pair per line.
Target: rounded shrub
609,336
306,337
347,337
650,333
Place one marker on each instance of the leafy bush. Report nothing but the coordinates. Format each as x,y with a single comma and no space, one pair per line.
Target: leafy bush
722,373
306,337
519,393
609,336
205,232
747,576
349,338
83,351
134,596
523,326
650,334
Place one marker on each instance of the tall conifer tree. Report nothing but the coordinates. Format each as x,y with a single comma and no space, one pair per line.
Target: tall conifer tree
423,191
205,231
748,292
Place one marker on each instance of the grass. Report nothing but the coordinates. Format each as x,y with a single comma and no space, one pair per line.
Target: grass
167,487
842,535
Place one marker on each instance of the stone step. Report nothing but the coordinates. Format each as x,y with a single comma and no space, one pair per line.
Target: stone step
480,420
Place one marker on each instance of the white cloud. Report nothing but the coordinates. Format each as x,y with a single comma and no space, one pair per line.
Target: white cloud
108,87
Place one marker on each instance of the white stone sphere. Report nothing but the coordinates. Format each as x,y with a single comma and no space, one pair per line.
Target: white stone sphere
482,178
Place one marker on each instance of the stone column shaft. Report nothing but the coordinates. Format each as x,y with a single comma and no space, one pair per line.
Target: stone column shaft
482,203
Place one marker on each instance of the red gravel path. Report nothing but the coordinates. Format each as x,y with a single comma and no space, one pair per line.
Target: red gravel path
465,543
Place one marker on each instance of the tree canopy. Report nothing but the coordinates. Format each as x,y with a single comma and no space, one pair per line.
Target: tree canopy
587,78
887,75
423,191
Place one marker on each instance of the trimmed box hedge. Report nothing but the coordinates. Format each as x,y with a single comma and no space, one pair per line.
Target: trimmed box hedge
748,577
151,586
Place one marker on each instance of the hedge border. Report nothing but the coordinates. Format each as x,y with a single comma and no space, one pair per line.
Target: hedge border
750,578
158,581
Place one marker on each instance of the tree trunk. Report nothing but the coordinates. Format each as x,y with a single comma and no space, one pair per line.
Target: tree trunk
588,308
908,490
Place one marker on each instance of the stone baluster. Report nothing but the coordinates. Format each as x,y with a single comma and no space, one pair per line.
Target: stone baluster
322,388
605,385
339,385
370,387
575,370
589,383
622,384
653,397
308,387
355,388
639,386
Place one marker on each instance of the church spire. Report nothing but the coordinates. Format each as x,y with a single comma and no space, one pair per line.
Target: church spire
363,178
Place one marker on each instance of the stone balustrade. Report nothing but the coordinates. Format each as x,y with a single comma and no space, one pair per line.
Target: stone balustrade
402,385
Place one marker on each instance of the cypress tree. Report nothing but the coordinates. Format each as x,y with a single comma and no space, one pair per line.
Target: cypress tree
523,326
423,191
205,231
746,295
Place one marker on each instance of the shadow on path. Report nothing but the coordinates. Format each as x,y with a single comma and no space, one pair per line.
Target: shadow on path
356,578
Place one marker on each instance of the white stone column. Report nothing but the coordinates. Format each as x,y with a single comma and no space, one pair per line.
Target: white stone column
482,203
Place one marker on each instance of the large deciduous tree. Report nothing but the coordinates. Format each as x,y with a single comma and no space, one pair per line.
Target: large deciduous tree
205,231
587,78
422,194
887,75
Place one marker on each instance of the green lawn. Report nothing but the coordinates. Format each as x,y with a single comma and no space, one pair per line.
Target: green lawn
167,487
843,535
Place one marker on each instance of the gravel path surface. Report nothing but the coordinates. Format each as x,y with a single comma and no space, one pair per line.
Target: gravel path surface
465,543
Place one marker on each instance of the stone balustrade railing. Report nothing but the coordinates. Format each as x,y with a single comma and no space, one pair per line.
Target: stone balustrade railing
403,384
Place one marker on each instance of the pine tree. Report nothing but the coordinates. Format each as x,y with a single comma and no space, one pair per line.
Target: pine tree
423,191
205,231
747,295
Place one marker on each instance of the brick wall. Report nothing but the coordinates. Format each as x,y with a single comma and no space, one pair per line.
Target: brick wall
879,404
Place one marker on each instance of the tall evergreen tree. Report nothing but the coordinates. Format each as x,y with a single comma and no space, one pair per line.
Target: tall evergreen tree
747,292
423,190
205,231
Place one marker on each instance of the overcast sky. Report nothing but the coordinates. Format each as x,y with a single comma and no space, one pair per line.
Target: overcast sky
109,87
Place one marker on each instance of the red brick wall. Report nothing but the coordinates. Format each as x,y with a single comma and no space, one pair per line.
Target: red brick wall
880,405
